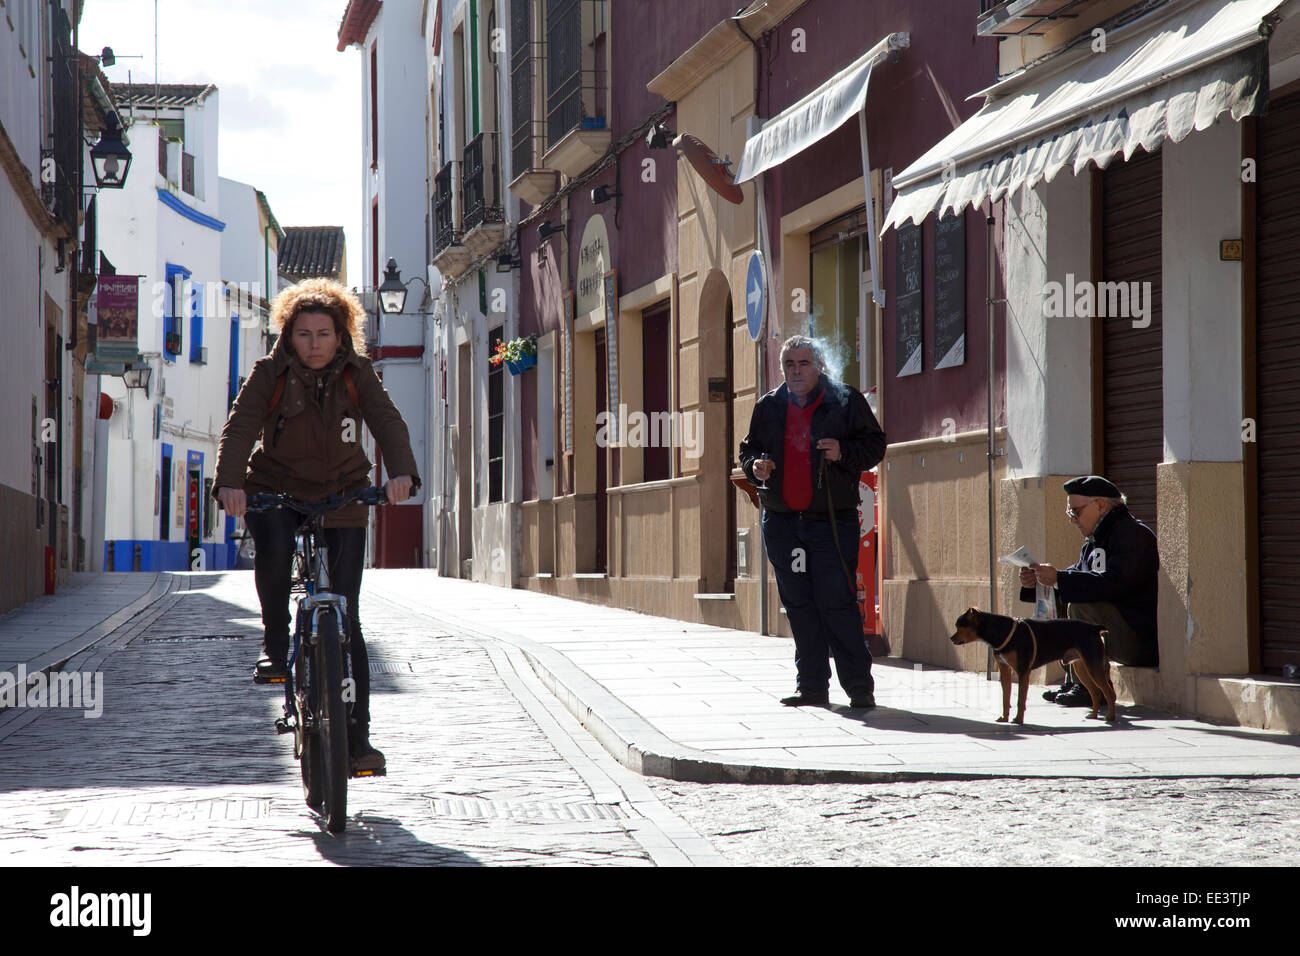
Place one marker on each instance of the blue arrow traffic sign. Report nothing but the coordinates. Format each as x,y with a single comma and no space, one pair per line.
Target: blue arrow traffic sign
755,294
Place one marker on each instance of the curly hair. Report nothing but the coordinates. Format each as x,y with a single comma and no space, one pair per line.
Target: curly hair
321,295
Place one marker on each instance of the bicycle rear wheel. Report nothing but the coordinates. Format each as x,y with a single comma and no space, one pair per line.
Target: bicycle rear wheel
325,766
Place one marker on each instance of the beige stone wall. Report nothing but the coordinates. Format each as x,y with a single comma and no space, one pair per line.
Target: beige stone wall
1202,531
935,549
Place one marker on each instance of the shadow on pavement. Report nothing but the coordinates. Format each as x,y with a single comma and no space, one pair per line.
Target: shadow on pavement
374,840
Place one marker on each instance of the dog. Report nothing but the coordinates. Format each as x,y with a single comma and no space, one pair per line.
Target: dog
1020,645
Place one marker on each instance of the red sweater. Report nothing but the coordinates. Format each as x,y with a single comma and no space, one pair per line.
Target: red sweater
796,485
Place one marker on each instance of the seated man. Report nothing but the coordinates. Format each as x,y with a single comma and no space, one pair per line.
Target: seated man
1114,583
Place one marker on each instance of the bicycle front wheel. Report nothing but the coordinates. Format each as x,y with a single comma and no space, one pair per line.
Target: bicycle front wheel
328,746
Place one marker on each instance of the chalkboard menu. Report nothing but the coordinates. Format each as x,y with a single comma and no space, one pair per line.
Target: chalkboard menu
950,291
908,302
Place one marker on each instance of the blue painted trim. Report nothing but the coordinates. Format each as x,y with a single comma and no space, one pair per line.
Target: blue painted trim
170,201
168,555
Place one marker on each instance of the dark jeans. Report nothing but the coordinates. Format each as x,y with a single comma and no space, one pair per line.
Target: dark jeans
821,606
273,534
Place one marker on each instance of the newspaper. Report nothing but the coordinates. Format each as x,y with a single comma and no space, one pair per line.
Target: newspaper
1044,596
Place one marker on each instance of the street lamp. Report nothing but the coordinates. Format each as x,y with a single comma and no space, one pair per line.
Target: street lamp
392,293
138,378
110,157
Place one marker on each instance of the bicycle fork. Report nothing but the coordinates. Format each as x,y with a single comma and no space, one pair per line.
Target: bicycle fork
298,690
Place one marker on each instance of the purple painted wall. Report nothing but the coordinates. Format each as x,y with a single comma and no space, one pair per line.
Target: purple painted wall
911,104
642,224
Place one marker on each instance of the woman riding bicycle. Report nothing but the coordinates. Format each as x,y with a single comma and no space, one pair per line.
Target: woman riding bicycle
307,400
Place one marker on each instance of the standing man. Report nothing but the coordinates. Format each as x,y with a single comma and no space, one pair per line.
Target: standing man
1115,582
809,441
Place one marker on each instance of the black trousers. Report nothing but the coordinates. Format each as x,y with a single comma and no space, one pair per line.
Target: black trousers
273,537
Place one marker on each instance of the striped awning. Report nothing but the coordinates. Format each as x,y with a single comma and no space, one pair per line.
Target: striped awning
1160,77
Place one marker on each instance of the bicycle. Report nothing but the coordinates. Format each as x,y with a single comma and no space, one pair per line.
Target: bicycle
320,663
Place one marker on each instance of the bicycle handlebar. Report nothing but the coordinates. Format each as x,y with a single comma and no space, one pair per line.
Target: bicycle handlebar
265,501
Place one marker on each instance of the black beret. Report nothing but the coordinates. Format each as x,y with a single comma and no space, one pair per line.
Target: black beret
1094,486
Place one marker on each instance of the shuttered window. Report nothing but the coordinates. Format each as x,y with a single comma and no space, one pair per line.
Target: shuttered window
1277,376
1132,358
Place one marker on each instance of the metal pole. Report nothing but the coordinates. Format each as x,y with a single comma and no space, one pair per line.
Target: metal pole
990,300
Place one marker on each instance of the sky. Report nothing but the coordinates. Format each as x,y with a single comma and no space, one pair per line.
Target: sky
290,103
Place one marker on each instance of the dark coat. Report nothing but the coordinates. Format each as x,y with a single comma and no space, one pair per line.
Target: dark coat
303,450
1125,573
843,415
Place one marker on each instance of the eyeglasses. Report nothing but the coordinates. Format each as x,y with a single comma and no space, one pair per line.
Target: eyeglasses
1074,513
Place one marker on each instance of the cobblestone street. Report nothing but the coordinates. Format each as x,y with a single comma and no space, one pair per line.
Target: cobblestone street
488,767
1183,822
184,767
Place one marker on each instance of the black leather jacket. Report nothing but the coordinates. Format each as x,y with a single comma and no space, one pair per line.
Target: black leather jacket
843,415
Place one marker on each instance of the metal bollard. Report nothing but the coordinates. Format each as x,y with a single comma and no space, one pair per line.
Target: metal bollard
109,558
135,560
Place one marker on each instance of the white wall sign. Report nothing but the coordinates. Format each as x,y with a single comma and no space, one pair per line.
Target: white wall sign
593,262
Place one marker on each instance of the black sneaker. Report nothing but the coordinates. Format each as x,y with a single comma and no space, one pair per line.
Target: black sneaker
806,699
1076,696
865,701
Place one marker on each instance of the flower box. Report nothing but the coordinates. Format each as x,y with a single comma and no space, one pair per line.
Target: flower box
521,365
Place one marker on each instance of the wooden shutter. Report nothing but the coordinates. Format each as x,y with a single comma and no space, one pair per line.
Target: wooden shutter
1132,359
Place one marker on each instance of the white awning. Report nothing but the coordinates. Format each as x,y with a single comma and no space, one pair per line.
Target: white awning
817,115
1162,76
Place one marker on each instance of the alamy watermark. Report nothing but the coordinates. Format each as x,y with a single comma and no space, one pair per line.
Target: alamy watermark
1106,300
639,429
216,300
77,690
77,909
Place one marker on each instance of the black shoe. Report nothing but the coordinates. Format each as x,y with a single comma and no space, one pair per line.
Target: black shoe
1055,692
865,701
806,699
1075,696
270,671
366,760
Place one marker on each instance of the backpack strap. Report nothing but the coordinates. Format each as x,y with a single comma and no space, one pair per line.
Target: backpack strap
279,391
352,389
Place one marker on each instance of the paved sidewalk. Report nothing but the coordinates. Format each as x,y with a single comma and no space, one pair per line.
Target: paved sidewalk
48,631
694,702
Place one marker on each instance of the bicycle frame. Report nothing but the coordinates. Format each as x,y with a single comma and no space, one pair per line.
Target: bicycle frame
317,598
318,716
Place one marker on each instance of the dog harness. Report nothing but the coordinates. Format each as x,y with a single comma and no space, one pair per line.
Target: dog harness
1033,639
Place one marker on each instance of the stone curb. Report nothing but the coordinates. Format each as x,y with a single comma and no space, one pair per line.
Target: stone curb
59,655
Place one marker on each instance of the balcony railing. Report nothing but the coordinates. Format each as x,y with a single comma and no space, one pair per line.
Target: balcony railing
481,185
445,232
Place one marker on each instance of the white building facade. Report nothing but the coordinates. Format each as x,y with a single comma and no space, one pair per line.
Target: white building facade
167,227
394,226
47,404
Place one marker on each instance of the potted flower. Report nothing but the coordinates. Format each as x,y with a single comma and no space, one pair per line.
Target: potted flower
519,355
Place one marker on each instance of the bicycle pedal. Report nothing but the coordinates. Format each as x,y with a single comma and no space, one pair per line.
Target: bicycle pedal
282,726
368,773
259,679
